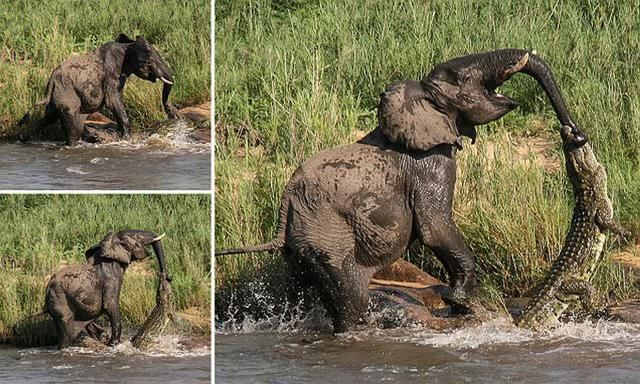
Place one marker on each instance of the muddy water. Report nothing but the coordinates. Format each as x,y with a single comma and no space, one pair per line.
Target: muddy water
169,363
495,352
154,164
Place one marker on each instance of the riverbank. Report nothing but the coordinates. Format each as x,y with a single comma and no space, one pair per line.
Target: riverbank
41,233
47,33
307,77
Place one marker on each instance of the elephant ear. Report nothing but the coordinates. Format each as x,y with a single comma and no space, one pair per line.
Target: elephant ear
408,118
122,38
118,247
92,252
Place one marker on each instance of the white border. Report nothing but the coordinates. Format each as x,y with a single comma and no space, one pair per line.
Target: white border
209,191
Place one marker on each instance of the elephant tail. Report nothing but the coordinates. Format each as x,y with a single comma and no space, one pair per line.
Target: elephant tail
27,116
271,246
278,241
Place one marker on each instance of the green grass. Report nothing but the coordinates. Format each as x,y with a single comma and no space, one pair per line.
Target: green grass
295,77
38,36
41,233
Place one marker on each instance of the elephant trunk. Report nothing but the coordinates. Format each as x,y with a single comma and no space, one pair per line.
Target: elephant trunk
167,84
166,90
162,263
539,70
511,61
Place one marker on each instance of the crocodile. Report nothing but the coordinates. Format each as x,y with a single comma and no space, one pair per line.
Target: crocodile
158,318
568,279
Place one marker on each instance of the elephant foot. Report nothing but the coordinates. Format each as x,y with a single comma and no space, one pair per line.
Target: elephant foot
463,303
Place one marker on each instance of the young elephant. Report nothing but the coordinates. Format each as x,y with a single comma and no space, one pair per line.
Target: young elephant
350,211
84,83
77,295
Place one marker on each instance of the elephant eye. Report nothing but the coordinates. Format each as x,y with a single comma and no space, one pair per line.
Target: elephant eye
464,78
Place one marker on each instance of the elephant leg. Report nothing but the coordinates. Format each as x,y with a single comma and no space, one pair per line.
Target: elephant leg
301,278
73,123
68,330
436,228
457,260
355,290
342,290
116,105
112,309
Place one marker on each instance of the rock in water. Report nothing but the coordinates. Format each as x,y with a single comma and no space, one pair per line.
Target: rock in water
626,311
157,320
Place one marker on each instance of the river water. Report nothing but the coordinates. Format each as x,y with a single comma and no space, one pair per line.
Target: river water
155,164
170,362
495,352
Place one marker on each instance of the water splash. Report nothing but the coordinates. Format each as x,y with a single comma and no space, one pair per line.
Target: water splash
280,316
177,136
270,314
503,332
164,346
167,345
63,366
77,169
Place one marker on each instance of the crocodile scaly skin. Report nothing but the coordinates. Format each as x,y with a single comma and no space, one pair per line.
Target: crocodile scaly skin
569,276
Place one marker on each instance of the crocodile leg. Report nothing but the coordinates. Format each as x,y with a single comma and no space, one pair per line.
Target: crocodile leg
581,288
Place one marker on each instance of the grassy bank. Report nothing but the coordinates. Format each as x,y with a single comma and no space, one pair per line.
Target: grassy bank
41,233
38,36
292,80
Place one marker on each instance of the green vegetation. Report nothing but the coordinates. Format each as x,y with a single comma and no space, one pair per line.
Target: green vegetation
295,77
39,35
41,233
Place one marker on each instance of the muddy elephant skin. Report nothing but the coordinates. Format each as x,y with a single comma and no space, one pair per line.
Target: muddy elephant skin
79,294
348,212
84,83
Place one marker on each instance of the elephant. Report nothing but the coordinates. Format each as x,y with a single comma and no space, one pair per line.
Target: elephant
77,295
84,83
349,211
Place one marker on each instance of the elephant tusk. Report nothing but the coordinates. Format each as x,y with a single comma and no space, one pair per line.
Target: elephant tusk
158,238
521,63
517,67
166,81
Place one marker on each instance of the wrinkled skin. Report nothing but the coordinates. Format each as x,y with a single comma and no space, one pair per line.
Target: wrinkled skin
84,83
350,211
77,295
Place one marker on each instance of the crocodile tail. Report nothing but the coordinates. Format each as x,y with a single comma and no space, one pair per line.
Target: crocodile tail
533,314
277,242
37,330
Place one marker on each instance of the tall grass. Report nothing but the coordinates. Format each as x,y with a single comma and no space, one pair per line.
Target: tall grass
38,36
41,233
293,78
